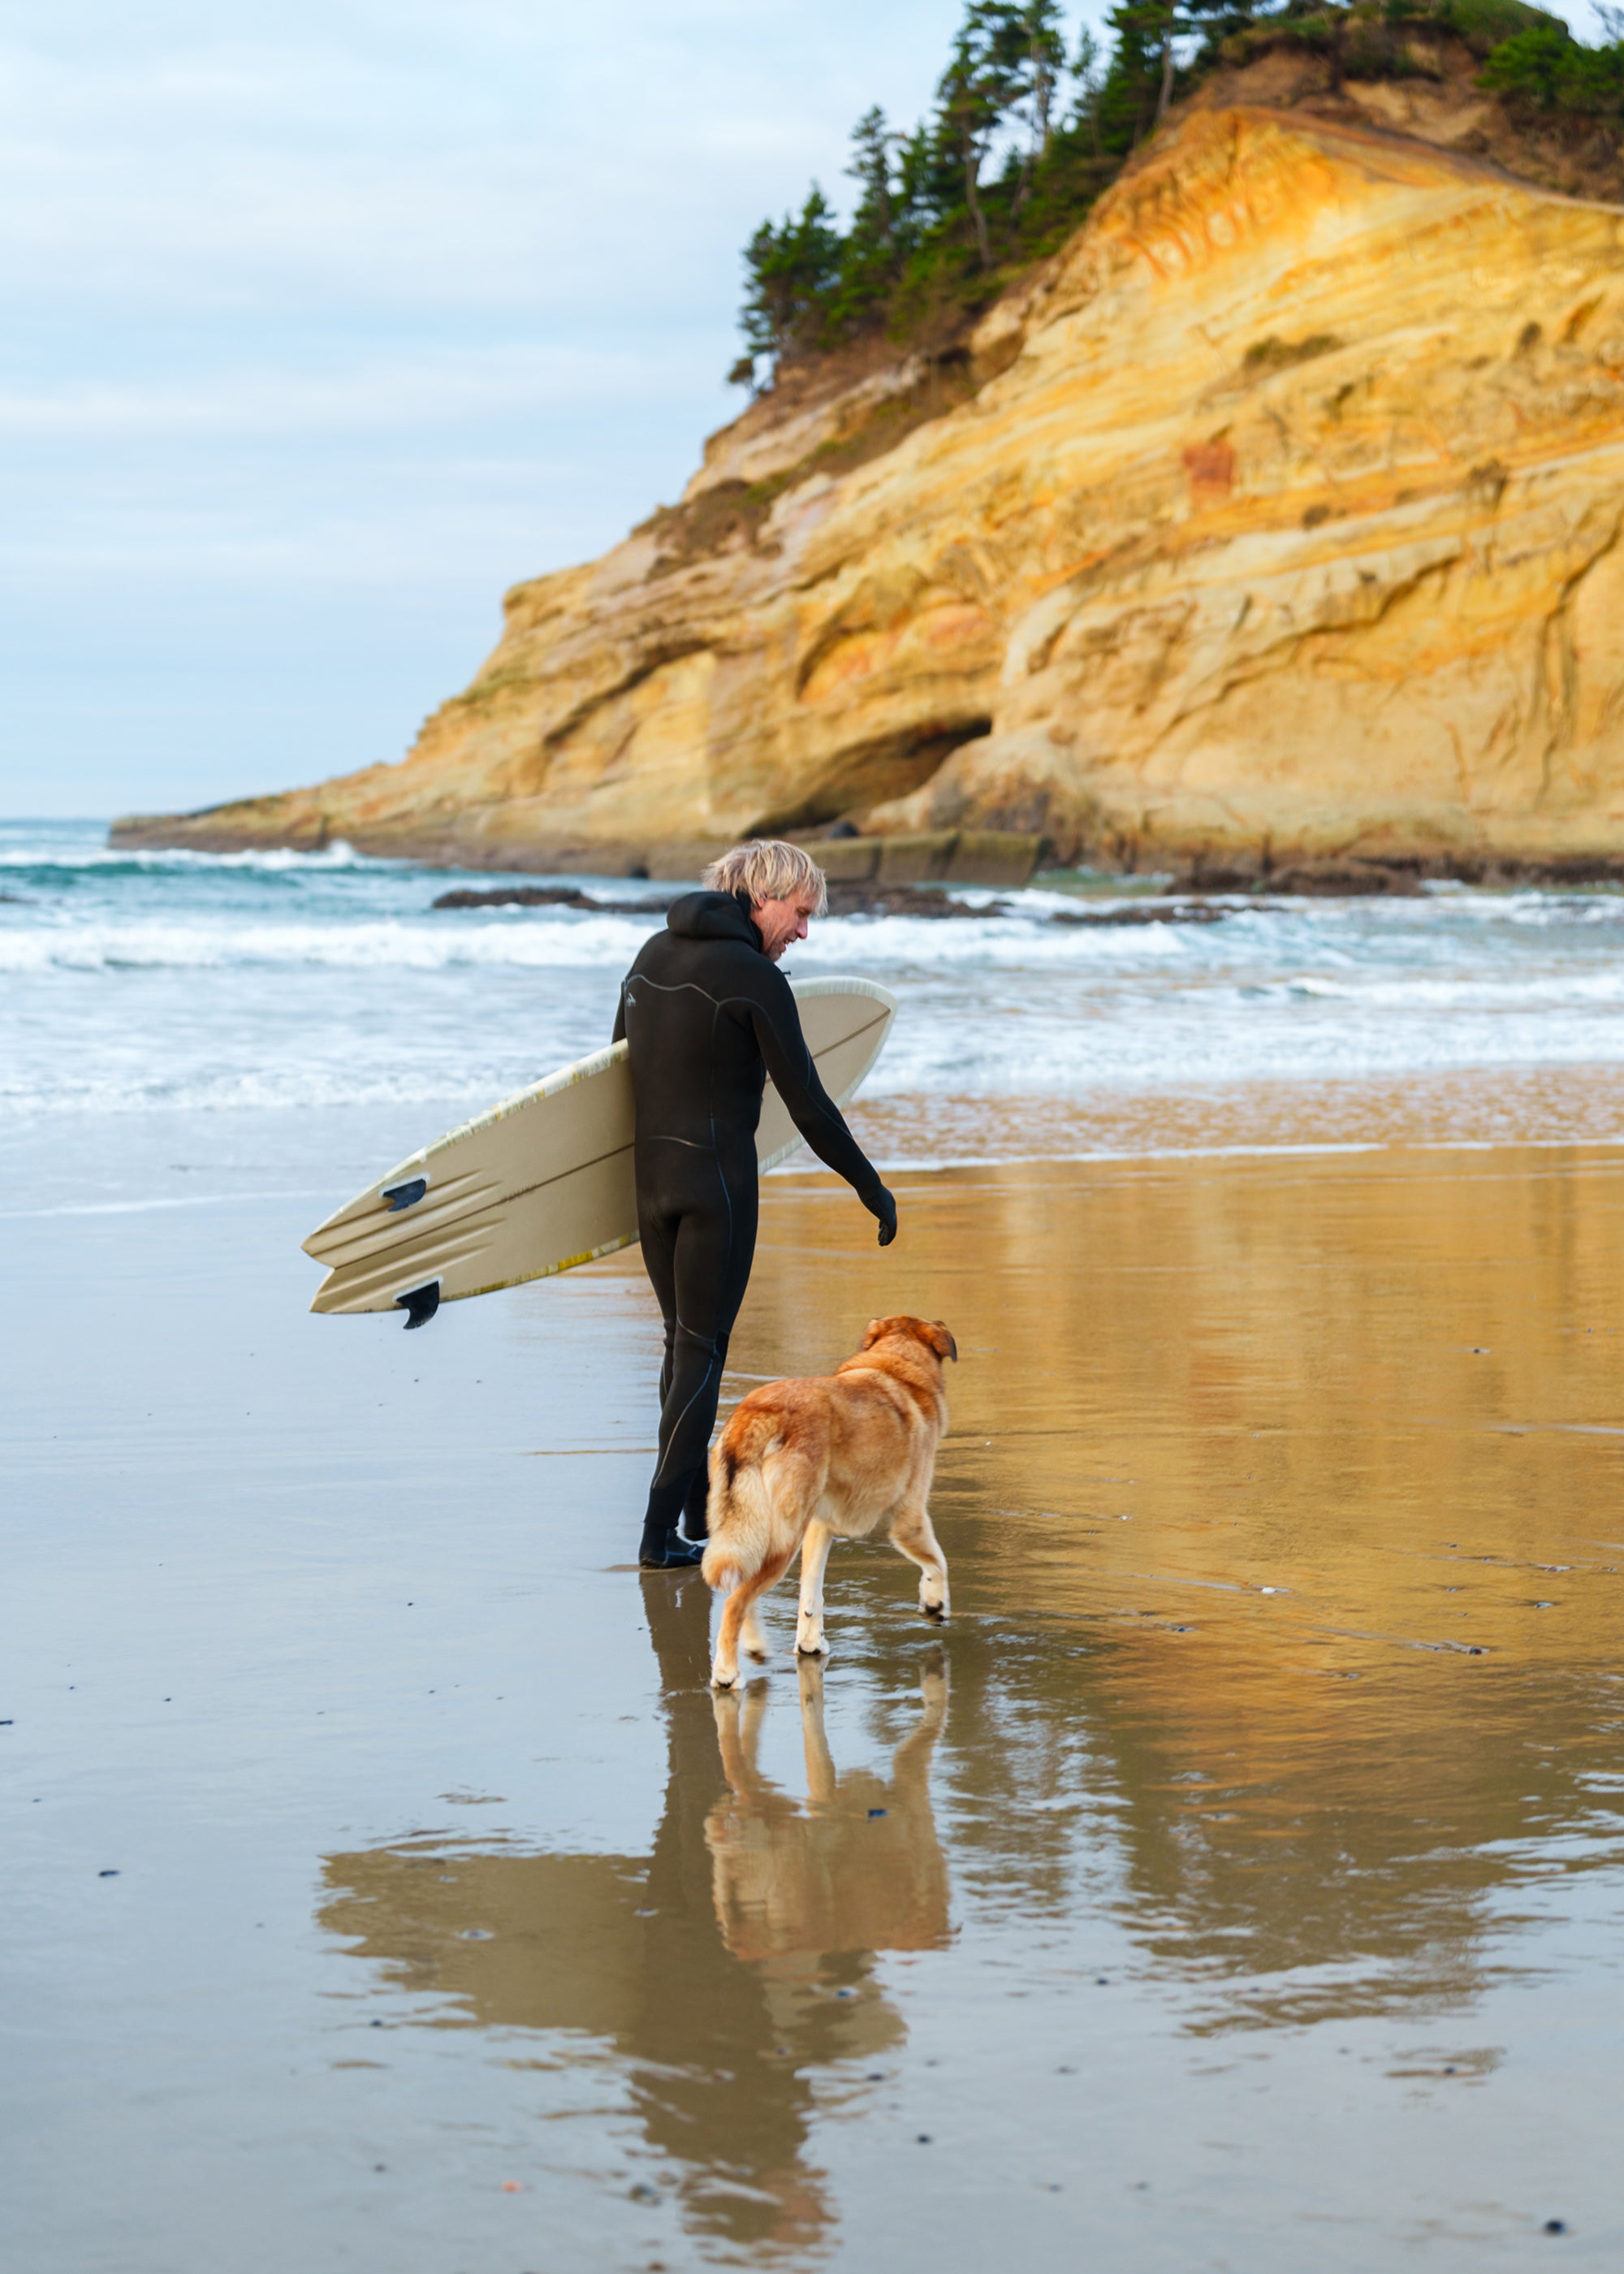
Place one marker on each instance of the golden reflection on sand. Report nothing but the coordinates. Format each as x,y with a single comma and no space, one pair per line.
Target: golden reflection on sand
1284,1502
726,1969
1295,1484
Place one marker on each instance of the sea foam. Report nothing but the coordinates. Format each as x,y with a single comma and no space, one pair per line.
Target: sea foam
149,982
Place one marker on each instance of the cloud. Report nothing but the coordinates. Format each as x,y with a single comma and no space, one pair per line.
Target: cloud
328,318
372,396
504,158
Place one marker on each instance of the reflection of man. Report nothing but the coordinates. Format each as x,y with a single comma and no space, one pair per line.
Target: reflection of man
708,1018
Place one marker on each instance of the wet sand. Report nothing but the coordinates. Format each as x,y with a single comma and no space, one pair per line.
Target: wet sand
1234,1882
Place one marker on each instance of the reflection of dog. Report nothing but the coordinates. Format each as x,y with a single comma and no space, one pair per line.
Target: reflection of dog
834,1456
858,1868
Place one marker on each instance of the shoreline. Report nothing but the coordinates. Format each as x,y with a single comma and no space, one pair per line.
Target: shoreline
187,1161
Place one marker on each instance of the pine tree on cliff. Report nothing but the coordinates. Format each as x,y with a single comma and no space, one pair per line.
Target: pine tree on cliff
872,255
986,79
1000,172
790,272
1043,64
924,199
1140,62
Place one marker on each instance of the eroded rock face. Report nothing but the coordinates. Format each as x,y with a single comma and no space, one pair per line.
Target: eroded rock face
1289,521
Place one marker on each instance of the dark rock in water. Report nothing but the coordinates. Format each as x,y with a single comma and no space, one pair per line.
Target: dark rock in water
1359,878
549,896
933,900
1222,878
1340,880
1573,872
907,900
1344,880
856,900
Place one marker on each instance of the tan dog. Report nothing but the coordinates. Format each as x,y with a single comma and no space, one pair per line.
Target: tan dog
803,1463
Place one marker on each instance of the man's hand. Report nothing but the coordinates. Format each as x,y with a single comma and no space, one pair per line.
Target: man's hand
886,1211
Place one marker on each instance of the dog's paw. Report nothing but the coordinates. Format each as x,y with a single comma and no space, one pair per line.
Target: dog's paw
814,1647
721,1681
759,1652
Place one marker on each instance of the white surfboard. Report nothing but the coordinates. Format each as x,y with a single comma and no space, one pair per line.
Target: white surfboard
544,1181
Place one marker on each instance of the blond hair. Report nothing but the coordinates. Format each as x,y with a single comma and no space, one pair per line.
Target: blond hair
767,868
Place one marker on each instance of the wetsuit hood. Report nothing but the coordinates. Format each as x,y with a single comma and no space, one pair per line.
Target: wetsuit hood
712,915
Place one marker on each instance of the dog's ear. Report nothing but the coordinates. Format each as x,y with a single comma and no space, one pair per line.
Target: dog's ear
871,1333
941,1341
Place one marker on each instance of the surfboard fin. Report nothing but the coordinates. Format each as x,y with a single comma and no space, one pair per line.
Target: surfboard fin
404,1196
421,1303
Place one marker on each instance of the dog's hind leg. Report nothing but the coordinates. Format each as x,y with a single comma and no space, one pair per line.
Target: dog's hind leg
738,1609
911,1533
752,1635
809,1627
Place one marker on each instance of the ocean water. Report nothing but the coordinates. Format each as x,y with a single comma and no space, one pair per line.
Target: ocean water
279,985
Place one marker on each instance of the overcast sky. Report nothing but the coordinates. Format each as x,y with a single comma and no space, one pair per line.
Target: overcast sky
327,323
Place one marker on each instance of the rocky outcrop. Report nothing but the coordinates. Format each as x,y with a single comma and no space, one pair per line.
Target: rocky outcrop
1278,516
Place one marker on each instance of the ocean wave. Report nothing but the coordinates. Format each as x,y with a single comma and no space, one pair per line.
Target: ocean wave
387,943
564,938
440,1093
45,854
151,982
228,1058
1418,971
1501,990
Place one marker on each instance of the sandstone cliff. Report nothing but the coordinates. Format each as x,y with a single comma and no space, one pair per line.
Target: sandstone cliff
1280,510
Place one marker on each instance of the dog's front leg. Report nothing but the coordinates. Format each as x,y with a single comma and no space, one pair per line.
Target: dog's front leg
809,1627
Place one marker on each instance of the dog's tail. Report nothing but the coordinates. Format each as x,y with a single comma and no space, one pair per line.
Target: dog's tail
739,1514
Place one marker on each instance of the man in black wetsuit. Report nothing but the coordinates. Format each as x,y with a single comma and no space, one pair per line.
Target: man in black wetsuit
709,1016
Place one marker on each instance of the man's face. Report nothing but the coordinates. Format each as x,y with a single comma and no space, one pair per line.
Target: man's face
780,922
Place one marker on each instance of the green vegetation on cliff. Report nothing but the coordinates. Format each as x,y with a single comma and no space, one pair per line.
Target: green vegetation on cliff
1545,66
1026,130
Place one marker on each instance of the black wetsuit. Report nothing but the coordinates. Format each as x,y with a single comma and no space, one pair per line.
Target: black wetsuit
709,1016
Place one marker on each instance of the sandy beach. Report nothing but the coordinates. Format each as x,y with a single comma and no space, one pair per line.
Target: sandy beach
1233,1882
1099,533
